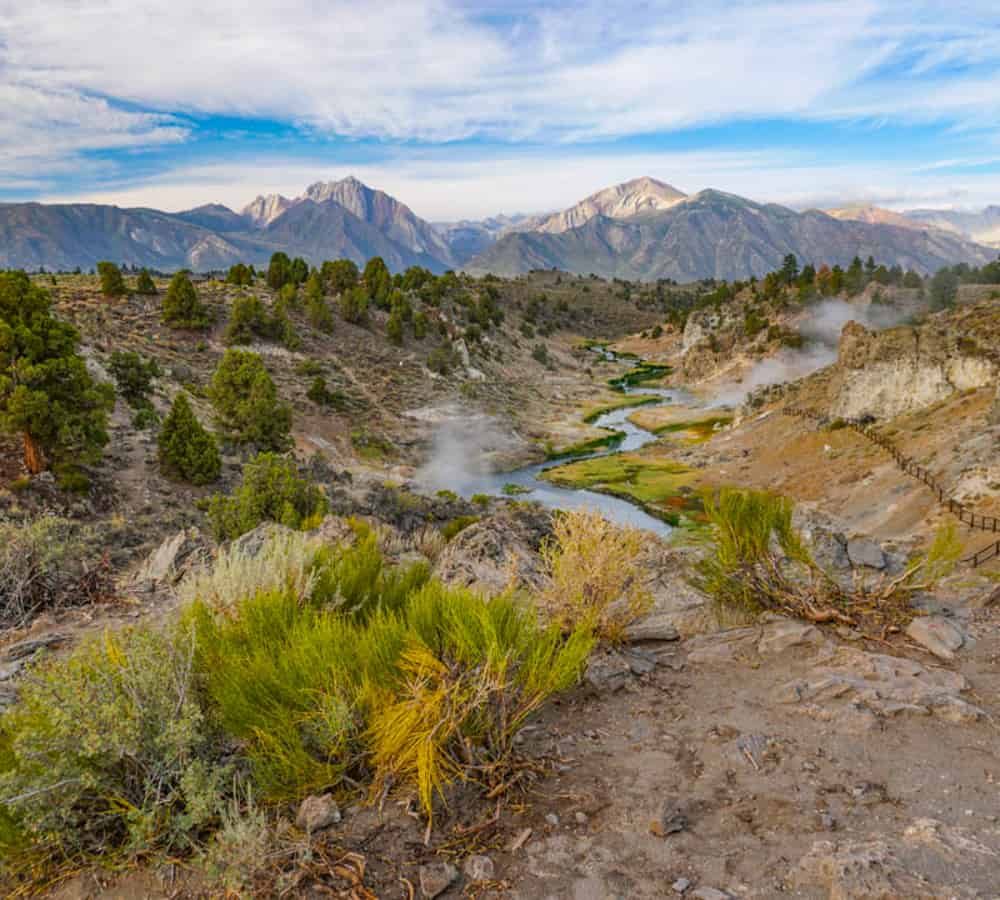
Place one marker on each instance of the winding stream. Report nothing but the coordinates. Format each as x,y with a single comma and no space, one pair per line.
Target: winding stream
615,509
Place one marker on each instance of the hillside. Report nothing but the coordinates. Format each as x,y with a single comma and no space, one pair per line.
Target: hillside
716,235
983,227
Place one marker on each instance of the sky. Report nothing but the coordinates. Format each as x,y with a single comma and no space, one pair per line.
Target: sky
469,109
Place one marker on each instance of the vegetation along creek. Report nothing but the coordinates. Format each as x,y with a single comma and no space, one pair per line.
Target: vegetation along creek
628,438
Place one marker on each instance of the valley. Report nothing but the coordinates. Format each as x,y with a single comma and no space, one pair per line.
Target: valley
699,749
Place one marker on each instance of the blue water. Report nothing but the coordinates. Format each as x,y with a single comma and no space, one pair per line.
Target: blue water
616,510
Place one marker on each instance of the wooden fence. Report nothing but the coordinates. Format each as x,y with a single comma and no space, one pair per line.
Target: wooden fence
911,467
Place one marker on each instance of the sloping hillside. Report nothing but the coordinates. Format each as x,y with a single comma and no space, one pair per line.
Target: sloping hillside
718,235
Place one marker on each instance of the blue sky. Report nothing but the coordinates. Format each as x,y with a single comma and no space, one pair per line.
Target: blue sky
466,109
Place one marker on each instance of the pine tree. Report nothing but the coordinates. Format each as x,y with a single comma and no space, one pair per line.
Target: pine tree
246,402
279,271
187,449
394,328
181,306
354,305
378,282
112,283
317,309
47,396
144,283
339,275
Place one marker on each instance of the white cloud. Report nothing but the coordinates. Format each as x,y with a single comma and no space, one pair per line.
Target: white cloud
44,131
436,70
76,78
440,188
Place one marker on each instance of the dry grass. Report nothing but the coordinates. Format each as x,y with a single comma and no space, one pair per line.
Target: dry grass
592,575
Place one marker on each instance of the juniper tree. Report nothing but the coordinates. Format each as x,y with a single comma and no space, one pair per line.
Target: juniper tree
112,283
47,396
181,306
187,448
246,402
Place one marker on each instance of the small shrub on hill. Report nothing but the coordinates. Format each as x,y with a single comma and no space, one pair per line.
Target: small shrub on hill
144,284
186,448
181,306
134,376
592,576
246,402
112,283
271,491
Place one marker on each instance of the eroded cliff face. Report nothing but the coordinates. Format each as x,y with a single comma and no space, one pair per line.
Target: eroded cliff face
895,371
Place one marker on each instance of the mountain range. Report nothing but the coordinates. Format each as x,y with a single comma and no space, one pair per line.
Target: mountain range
641,229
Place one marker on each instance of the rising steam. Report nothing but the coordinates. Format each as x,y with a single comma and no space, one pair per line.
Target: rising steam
461,453
821,328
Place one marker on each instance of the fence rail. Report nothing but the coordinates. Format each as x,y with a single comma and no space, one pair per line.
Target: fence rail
913,468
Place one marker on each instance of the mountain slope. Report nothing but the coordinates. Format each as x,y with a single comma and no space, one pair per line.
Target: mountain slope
64,236
875,215
387,214
215,217
326,230
717,235
982,227
621,201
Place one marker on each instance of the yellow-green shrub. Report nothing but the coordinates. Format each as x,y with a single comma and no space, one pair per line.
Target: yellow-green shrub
592,574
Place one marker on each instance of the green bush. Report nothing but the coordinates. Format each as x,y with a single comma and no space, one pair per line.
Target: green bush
144,284
354,305
339,275
250,318
246,402
134,376
186,448
48,399
457,525
271,491
443,359
394,329
109,748
181,306
240,274
112,283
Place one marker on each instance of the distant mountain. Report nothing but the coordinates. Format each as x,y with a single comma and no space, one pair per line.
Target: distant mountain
875,215
262,211
467,238
641,229
716,235
329,220
385,213
622,201
215,217
327,230
982,227
63,236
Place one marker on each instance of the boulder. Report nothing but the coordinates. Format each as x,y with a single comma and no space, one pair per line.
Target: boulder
169,562
486,555
937,635
251,543
865,552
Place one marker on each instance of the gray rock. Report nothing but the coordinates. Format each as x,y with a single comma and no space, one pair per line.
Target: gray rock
656,627
478,868
317,812
640,663
175,556
865,552
436,878
936,634
608,672
552,819
251,543
681,886
673,819
783,635
711,893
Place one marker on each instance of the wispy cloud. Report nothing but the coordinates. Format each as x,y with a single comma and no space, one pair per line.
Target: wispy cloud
83,81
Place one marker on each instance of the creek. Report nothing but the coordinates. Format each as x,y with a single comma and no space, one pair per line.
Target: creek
615,509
